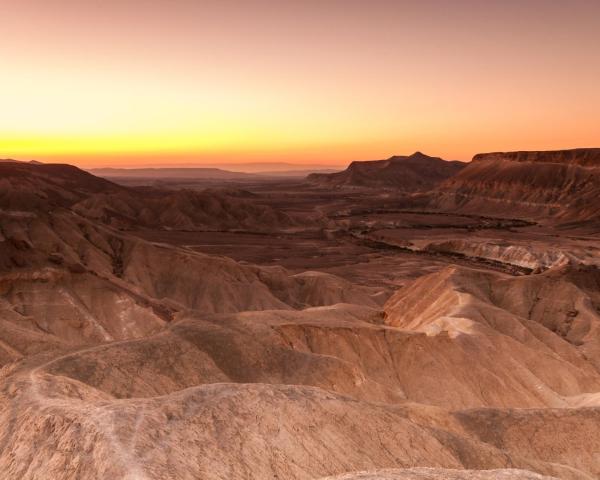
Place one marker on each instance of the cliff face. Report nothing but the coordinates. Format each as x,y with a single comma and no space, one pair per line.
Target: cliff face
416,172
562,184
586,157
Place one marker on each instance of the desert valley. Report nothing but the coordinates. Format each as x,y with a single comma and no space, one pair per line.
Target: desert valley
408,318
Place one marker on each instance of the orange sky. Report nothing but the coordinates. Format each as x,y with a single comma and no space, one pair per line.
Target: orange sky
125,82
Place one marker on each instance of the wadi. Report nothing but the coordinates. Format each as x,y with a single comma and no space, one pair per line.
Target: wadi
408,318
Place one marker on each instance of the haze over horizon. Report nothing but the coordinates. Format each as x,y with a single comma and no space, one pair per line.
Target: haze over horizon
142,83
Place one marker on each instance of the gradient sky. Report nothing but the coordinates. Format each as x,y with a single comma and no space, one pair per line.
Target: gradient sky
134,82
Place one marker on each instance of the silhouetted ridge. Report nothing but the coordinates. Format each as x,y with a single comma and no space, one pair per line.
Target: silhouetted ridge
408,173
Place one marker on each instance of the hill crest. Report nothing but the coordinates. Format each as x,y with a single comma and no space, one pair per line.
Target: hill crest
587,157
409,173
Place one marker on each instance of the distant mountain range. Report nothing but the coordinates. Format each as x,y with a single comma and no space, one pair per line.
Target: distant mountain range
10,160
273,167
206,173
179,173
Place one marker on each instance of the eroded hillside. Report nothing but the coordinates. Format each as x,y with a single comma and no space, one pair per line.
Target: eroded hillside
123,357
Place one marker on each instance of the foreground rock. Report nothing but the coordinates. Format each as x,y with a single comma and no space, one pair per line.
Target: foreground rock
441,474
223,431
289,394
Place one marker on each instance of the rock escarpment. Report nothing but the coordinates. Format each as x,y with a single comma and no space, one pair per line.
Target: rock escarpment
416,172
561,184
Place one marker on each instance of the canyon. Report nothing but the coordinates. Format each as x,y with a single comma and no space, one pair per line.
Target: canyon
409,318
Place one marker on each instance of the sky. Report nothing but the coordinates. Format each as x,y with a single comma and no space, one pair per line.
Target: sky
158,82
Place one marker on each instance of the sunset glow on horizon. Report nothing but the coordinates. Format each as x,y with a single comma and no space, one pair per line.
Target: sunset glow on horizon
126,83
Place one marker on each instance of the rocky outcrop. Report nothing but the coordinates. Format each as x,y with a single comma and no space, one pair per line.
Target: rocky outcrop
560,184
441,474
293,395
416,172
585,157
